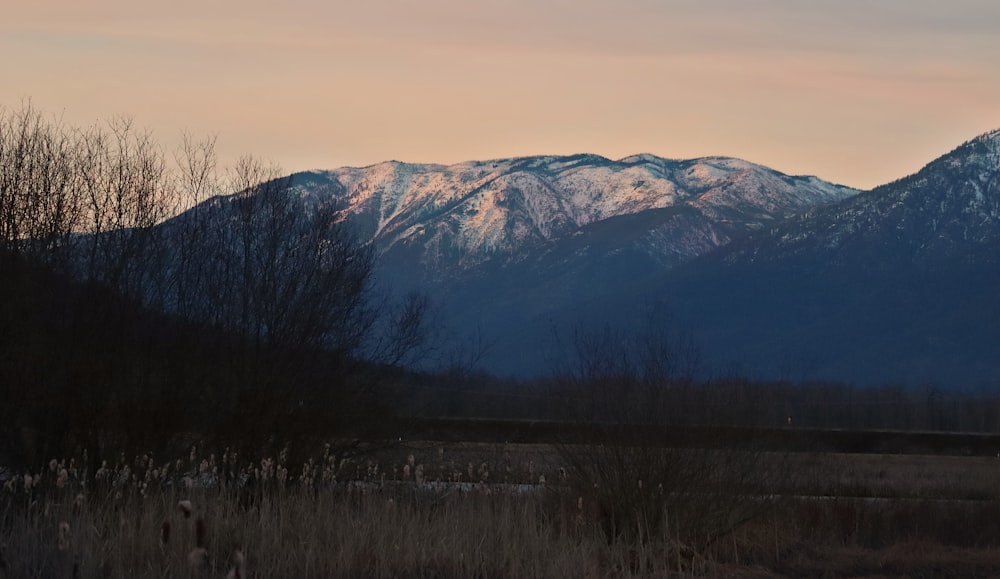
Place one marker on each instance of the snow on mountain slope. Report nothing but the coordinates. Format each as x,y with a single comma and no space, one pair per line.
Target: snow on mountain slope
896,284
465,214
948,210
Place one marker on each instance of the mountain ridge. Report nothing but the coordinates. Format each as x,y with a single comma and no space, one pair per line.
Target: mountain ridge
954,201
476,211
893,283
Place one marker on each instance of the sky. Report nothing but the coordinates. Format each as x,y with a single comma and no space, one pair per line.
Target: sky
859,92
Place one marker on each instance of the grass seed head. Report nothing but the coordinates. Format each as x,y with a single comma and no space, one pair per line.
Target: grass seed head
62,479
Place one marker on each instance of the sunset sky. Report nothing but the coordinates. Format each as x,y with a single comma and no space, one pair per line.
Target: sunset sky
855,91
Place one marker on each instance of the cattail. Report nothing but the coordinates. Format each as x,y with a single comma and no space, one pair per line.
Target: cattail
64,536
199,532
198,557
3,562
237,572
165,533
185,507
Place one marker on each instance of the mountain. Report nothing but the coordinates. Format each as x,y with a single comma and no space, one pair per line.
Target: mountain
896,284
503,246
948,211
453,218
773,276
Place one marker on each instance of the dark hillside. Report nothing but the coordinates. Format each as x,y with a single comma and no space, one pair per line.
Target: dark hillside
84,368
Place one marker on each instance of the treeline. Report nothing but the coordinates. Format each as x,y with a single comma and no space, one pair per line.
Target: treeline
656,377
731,401
145,295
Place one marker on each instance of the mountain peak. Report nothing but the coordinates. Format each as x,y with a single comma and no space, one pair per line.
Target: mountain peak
993,135
640,158
466,214
982,151
949,210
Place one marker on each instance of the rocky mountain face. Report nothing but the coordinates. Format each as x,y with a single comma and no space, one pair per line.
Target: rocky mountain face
452,219
947,212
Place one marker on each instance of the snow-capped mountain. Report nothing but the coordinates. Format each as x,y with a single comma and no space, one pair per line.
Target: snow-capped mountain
507,247
950,210
899,283
776,276
454,218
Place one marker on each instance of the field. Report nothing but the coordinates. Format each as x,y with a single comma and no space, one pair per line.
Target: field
447,509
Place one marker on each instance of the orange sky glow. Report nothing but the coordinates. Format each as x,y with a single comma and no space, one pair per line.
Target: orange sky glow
853,91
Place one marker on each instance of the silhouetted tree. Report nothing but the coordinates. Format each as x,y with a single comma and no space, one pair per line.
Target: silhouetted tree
146,297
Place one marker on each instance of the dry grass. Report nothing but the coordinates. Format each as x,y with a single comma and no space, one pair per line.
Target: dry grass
138,522
794,473
347,518
897,475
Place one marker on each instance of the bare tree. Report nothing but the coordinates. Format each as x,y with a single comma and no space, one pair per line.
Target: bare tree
645,473
126,193
268,264
39,202
188,270
254,290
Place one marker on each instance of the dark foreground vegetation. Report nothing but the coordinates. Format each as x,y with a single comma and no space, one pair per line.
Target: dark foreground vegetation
198,378
143,296
454,511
